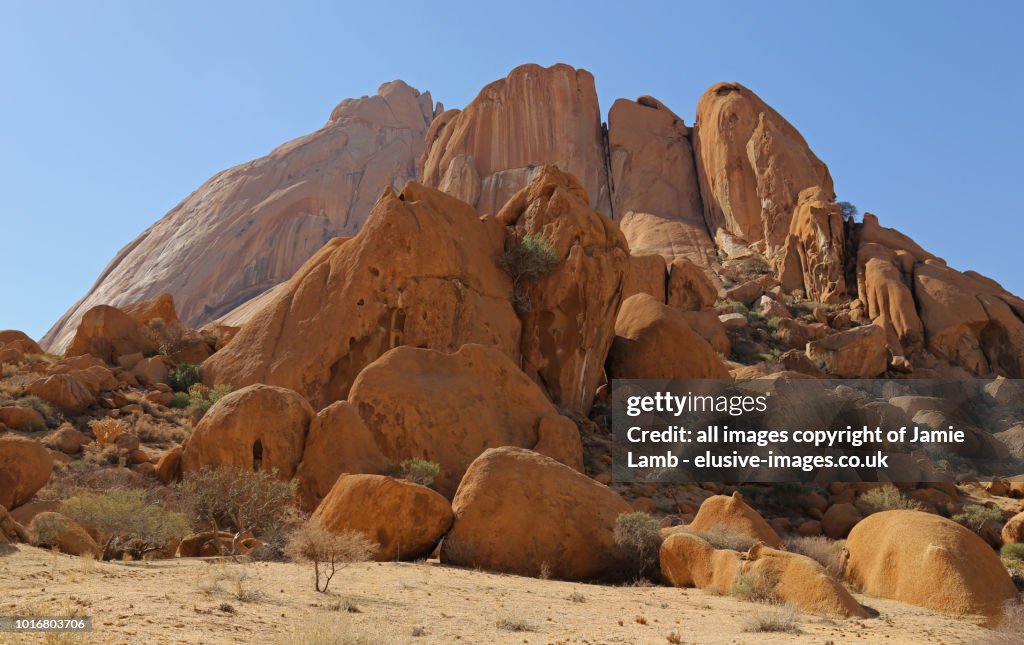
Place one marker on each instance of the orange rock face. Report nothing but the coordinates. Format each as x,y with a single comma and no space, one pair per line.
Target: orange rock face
19,340
486,152
507,519
818,236
569,326
256,428
422,272
406,520
449,408
721,511
25,467
655,181
109,333
268,216
752,165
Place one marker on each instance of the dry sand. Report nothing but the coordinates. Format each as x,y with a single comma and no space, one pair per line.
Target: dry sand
204,601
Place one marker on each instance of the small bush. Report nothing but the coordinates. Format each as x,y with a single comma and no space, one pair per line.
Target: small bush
180,400
420,471
202,398
975,516
528,259
639,532
183,377
237,500
821,549
756,585
328,552
723,537
515,625
107,430
1014,551
782,620
886,498
119,516
232,581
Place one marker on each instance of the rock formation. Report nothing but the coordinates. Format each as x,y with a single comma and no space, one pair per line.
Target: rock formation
267,216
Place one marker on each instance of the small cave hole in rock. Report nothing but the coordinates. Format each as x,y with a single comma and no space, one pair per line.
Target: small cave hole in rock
257,456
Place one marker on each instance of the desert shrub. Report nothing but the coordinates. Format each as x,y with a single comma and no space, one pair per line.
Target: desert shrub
107,429
420,471
1009,629
121,515
153,430
1013,551
328,552
784,619
975,516
527,259
202,398
885,498
756,585
821,549
511,624
236,500
786,495
724,537
97,454
233,581
183,376
639,533
180,400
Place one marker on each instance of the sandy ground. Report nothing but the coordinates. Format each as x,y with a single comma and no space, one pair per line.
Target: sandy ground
203,601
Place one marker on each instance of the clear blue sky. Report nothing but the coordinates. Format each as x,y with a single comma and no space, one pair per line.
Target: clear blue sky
111,113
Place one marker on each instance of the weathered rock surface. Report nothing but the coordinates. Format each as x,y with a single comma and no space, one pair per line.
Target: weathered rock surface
108,333
25,467
488,151
856,353
817,235
54,530
929,561
268,216
802,582
257,428
653,341
19,340
421,272
731,512
570,322
406,520
689,287
645,274
508,519
450,408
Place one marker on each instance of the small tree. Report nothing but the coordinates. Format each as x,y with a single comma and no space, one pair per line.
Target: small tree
529,258
238,501
183,377
848,210
420,471
122,515
639,532
329,552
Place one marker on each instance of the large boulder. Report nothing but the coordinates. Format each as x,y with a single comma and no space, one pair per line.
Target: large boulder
421,272
257,428
688,560
267,216
929,561
25,467
752,165
19,340
58,531
64,391
11,532
487,151
855,353
450,408
654,341
817,243
884,289
108,333
338,443
798,580
406,520
523,513
730,512
1013,530
689,287
654,181
21,418
569,323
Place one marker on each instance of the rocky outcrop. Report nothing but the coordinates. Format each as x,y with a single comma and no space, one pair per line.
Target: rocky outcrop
57,531
856,353
732,513
268,216
816,244
25,467
569,322
654,341
405,520
655,187
257,428
450,408
929,561
20,341
522,513
109,333
486,152
421,272
752,166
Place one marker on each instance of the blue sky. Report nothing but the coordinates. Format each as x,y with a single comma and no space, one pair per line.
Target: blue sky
111,113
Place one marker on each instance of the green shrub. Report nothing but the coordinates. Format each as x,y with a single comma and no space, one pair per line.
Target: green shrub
528,259
202,398
183,377
886,498
420,471
1013,551
121,515
180,400
640,533
975,516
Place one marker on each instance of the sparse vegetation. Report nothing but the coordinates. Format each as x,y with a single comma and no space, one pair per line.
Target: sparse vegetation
236,500
125,521
756,585
327,552
420,471
824,551
233,581
530,258
976,516
202,397
885,498
515,625
577,597
639,533
783,619
848,210
107,430
1013,551
183,377
723,537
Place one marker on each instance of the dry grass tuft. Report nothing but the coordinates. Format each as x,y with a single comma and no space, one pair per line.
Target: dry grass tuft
782,619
